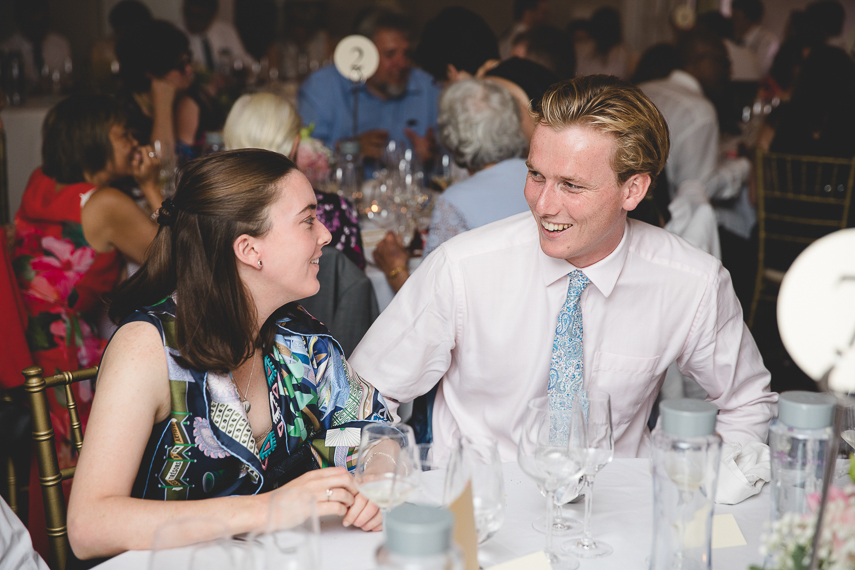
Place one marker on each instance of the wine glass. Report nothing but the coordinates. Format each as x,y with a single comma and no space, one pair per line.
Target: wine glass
847,434
552,450
289,538
561,523
387,467
600,452
481,466
204,534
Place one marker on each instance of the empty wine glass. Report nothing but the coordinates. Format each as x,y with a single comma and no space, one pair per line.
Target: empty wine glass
482,467
600,451
561,523
289,538
387,467
552,451
203,535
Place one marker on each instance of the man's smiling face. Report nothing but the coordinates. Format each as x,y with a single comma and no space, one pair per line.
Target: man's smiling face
574,194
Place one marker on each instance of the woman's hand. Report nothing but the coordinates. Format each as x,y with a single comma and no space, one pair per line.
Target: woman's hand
146,166
333,488
364,514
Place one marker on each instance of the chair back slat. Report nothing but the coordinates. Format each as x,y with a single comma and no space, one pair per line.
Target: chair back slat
50,475
799,200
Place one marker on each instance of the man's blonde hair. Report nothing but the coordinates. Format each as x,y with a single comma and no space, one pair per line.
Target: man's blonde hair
612,106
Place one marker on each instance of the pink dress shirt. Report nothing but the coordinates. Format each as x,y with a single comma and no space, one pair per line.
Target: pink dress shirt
479,315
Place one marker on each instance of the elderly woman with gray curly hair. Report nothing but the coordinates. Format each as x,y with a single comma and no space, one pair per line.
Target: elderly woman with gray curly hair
479,124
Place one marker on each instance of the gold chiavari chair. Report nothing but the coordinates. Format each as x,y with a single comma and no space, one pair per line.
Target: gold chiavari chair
799,200
17,421
50,475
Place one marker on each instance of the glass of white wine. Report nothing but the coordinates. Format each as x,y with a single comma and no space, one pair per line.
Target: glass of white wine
387,467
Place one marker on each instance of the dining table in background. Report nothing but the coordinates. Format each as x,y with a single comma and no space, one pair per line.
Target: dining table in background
623,516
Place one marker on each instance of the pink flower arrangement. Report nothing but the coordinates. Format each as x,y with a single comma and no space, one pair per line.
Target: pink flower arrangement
789,540
313,160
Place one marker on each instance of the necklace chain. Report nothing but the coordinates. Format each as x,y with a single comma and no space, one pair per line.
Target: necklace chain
244,401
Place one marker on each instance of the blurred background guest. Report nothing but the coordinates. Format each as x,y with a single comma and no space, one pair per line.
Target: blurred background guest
69,233
306,44
46,54
550,47
820,118
605,53
397,103
479,123
214,43
823,22
657,62
345,302
527,14
526,81
123,17
456,44
747,15
158,93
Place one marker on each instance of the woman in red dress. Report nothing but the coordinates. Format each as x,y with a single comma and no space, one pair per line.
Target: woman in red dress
69,232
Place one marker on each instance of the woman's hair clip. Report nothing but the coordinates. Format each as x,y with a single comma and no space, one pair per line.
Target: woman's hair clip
167,213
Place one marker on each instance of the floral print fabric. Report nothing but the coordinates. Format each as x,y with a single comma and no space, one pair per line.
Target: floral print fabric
63,282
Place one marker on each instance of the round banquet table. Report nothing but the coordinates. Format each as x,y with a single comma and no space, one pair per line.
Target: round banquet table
622,513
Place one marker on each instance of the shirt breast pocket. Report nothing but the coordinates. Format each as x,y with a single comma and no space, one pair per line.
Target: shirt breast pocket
629,380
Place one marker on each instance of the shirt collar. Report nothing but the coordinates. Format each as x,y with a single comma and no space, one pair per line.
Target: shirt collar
686,80
603,274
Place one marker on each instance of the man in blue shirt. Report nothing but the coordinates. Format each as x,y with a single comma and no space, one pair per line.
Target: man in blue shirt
398,102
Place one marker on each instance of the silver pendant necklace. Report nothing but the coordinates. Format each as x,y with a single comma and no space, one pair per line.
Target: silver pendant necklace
244,402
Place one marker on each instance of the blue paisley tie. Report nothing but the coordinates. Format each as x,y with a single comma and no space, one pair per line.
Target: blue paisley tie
565,372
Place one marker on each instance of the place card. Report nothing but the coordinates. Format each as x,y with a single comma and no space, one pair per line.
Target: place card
534,561
725,532
465,534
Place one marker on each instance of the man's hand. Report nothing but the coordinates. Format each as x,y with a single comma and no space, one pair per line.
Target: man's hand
425,147
372,143
391,257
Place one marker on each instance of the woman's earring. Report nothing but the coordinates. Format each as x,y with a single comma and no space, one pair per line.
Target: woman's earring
259,264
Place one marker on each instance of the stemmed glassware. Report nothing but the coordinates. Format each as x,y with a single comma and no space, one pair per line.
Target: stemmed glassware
207,538
599,453
387,468
552,450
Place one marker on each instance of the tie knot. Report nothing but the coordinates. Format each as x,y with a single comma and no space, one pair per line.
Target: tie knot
578,279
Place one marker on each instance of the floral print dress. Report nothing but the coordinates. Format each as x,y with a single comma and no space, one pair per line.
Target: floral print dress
63,282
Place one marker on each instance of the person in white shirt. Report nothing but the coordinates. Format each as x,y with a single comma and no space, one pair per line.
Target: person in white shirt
480,317
747,15
214,43
693,124
44,53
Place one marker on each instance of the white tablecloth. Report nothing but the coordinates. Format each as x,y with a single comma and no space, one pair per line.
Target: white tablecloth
23,127
622,516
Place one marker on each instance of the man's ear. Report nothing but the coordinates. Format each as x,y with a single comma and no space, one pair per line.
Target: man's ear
245,251
634,190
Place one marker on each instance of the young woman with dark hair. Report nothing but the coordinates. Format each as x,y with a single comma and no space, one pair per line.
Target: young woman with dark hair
69,231
223,386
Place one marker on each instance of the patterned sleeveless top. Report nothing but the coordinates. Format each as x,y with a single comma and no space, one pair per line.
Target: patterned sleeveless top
205,448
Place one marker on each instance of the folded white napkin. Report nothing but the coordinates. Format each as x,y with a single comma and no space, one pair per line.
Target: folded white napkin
743,471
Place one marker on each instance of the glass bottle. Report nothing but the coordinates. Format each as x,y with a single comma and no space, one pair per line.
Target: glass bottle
799,438
419,537
685,455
